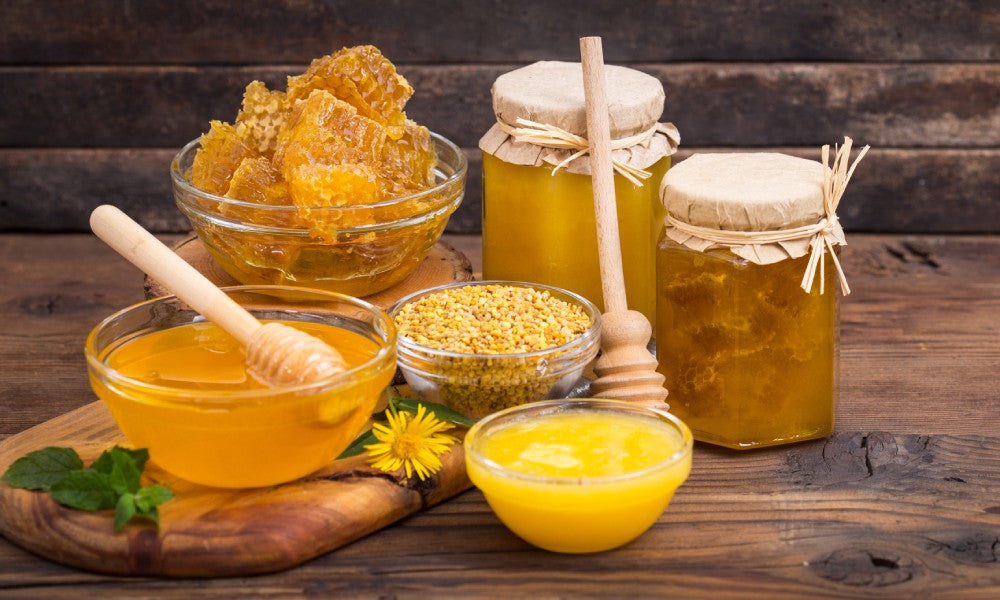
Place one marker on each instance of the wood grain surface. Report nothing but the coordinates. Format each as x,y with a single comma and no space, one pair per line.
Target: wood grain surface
444,264
211,32
901,502
945,105
98,95
207,531
894,190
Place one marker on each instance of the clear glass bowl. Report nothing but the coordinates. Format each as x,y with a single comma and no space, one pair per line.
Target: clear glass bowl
360,250
480,384
245,438
580,514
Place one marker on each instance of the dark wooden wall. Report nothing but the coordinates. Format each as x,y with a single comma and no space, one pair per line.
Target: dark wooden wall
97,95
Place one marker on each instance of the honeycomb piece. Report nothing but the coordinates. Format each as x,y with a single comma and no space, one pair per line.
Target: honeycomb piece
221,152
362,77
315,187
257,180
263,115
325,130
407,163
319,185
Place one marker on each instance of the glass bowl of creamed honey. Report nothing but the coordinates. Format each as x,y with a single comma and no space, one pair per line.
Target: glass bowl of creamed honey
177,385
579,475
359,247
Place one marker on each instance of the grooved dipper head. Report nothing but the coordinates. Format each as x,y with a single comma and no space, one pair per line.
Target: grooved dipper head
279,355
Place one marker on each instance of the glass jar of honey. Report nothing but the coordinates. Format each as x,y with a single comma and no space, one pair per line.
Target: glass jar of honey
538,208
747,310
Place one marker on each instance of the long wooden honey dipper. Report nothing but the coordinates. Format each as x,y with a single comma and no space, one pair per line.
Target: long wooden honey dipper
276,354
626,370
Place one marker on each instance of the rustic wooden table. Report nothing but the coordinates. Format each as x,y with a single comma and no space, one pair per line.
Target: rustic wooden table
902,501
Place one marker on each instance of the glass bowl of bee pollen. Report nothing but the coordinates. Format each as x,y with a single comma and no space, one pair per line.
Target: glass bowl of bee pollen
177,385
484,346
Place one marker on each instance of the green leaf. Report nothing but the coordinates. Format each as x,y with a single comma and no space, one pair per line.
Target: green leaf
113,481
125,509
440,411
148,498
40,469
358,445
84,490
124,475
134,507
152,514
105,462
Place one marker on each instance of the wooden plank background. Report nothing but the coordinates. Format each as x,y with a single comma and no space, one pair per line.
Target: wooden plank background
99,94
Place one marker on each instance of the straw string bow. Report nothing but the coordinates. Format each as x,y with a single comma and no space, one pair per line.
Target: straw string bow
550,136
822,235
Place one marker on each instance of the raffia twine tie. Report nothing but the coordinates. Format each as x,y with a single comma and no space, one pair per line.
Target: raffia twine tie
550,136
820,235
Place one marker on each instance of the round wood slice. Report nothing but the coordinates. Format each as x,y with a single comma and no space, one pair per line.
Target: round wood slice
443,265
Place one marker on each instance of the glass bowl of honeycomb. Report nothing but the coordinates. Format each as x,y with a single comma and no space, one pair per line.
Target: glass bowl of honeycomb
326,184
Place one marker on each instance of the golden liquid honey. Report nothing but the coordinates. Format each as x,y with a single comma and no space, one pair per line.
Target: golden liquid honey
184,393
750,359
539,227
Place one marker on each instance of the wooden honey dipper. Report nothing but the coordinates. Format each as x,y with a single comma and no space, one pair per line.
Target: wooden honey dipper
276,354
626,370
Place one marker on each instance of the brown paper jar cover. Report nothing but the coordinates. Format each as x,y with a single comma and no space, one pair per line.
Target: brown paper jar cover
551,92
749,192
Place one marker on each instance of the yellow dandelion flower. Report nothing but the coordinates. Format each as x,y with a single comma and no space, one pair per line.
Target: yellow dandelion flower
415,442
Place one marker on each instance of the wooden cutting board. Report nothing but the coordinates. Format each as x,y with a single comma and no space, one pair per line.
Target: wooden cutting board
443,264
209,532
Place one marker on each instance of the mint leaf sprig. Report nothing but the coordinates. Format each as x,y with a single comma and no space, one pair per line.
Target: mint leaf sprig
113,481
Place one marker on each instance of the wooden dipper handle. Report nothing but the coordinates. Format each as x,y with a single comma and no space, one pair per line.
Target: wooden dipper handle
603,176
626,370
276,354
143,250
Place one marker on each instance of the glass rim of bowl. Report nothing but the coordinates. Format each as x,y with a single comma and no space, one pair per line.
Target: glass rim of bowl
546,407
592,334
458,172
383,325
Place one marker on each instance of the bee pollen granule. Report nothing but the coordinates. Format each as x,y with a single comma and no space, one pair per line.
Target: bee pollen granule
491,319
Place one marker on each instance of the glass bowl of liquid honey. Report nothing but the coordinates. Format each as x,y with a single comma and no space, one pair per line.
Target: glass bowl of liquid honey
352,245
177,385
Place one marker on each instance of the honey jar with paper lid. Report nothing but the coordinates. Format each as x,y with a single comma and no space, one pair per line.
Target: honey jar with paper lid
747,305
538,208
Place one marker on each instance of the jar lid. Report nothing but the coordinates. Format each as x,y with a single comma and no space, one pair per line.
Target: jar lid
763,191
752,203
764,207
551,93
